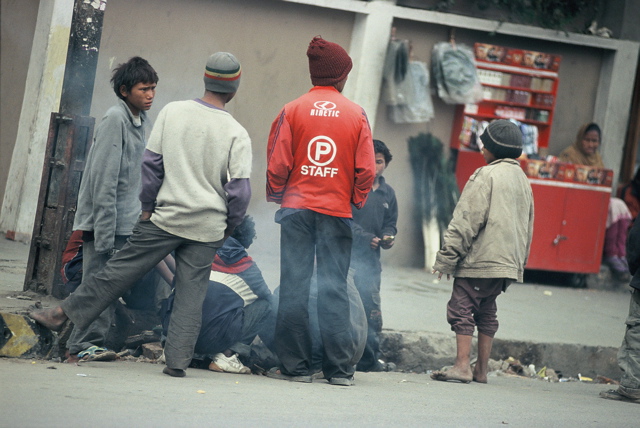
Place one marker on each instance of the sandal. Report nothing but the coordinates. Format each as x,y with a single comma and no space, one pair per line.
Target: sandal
96,353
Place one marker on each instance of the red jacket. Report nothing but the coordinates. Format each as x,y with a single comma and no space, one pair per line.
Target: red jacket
320,154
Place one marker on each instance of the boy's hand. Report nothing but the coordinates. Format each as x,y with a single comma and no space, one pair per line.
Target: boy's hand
145,215
375,241
387,241
440,275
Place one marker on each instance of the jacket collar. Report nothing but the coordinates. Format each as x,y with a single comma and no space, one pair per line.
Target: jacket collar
143,114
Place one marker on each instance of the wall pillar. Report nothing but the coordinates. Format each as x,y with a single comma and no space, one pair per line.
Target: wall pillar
42,96
369,41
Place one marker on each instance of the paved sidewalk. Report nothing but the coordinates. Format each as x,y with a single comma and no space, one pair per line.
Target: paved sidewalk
414,305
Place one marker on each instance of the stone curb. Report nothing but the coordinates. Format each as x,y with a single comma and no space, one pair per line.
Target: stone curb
416,352
422,351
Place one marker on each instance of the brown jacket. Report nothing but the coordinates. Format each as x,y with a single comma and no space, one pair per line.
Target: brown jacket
490,233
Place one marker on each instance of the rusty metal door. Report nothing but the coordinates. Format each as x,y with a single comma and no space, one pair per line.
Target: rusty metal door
68,144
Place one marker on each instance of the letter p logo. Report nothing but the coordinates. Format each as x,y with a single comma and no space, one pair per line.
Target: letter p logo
321,150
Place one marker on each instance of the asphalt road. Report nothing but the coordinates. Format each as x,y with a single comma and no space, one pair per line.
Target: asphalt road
122,393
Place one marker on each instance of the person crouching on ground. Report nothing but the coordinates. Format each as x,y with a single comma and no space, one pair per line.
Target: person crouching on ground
485,248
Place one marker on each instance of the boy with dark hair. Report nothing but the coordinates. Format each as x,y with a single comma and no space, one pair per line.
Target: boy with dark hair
319,162
108,205
374,227
486,246
195,191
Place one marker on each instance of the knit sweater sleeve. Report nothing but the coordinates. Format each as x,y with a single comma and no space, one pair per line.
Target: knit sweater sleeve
152,176
238,197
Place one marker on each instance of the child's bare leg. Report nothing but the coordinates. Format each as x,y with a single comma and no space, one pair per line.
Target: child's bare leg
461,370
484,352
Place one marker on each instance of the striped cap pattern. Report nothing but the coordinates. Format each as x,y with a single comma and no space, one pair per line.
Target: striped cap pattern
222,73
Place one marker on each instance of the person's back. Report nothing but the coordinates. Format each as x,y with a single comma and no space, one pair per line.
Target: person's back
323,123
500,198
194,179
319,160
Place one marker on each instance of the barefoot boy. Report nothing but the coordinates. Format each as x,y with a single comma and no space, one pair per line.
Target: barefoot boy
486,247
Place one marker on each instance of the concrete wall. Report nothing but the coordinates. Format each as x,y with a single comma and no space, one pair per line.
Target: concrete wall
17,26
270,39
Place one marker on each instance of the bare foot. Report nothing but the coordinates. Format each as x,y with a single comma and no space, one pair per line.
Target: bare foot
479,377
453,374
54,318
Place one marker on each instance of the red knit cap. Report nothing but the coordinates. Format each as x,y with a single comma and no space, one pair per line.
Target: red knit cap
328,62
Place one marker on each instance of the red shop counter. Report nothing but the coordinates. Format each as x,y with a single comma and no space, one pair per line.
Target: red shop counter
571,207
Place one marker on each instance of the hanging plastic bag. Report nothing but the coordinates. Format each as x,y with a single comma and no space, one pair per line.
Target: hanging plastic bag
454,71
414,99
396,63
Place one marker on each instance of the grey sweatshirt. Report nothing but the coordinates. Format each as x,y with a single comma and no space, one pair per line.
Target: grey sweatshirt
108,201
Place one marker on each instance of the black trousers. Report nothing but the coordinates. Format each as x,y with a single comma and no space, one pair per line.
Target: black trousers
309,238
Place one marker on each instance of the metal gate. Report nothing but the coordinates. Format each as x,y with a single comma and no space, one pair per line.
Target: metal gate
68,144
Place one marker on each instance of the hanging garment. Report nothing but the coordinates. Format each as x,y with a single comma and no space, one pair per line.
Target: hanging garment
454,70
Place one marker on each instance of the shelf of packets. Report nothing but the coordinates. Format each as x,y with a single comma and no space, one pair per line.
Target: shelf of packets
551,169
468,139
501,111
517,96
500,78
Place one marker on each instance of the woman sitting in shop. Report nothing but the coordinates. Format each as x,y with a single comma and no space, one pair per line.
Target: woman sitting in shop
584,151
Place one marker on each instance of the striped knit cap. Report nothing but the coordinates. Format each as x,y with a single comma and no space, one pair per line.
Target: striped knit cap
222,73
329,63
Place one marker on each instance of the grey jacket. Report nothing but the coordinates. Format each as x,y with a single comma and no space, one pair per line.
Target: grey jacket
490,233
108,201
